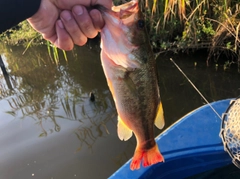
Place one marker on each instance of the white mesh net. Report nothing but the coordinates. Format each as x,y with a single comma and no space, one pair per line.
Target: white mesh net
230,131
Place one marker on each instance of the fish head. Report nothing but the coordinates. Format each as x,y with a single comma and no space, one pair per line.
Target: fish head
131,20
124,34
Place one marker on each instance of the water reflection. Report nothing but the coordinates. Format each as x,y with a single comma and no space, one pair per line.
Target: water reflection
39,89
46,107
179,97
41,98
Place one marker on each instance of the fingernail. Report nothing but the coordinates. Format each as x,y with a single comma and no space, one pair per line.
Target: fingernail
66,16
94,14
78,10
60,24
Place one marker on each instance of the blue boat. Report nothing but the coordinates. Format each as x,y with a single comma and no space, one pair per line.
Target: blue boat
190,146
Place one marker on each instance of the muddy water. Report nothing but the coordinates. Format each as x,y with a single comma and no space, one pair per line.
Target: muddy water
50,128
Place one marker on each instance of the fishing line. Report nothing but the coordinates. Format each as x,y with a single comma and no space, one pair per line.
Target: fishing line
195,88
230,125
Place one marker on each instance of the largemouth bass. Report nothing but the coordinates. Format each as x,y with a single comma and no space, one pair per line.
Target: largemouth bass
130,68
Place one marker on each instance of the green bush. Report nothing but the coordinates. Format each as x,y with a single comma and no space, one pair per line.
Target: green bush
23,33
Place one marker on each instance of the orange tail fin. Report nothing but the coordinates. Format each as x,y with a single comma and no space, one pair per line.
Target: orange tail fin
149,157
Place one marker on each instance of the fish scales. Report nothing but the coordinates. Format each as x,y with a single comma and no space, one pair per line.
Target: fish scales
130,69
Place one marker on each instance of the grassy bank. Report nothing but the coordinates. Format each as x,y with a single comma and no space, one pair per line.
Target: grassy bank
176,25
22,34
184,25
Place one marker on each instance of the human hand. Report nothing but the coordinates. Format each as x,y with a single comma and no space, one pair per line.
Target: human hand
76,24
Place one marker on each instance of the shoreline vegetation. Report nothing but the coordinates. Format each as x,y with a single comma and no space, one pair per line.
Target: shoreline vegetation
190,25
176,26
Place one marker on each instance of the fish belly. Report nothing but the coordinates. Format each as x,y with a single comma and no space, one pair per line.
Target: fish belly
135,93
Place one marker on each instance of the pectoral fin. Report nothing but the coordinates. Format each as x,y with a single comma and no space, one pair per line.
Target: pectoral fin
124,133
159,120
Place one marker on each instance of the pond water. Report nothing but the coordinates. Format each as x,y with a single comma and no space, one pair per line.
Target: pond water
50,128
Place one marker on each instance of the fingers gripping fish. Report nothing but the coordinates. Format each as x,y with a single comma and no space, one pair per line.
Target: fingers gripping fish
130,69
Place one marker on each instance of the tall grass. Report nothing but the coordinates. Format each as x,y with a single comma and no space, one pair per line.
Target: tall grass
53,53
24,35
174,25
183,24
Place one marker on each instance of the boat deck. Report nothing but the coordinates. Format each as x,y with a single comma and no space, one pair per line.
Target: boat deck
190,146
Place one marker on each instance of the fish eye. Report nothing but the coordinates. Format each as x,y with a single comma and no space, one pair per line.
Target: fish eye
140,24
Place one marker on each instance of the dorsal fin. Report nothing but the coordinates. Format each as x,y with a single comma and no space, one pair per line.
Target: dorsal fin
159,120
124,133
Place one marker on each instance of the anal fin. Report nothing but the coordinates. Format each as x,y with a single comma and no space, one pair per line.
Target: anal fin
159,120
124,133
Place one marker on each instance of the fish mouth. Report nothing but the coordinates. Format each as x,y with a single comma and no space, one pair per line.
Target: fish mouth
125,6
122,11
126,10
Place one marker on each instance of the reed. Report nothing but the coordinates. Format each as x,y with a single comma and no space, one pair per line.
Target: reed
21,34
173,25
24,35
53,53
190,25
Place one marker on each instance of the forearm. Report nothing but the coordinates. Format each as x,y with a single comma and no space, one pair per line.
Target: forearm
14,11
